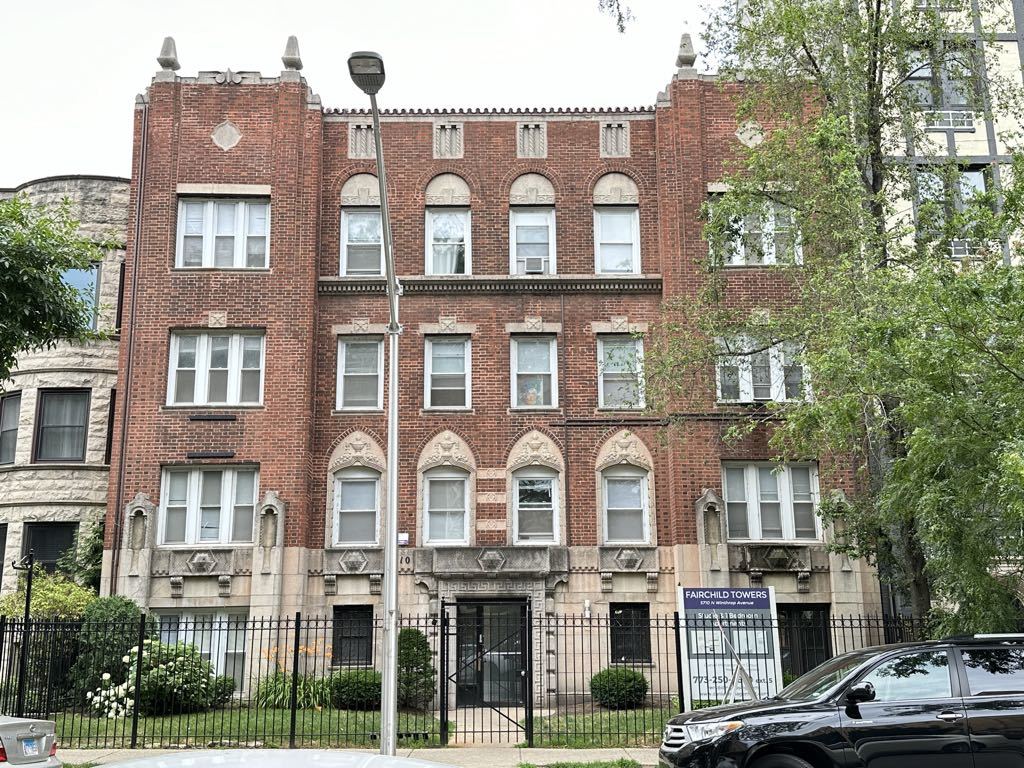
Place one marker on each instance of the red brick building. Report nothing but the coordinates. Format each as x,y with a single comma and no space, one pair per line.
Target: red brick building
535,247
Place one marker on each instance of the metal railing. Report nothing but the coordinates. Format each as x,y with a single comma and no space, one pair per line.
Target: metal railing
475,672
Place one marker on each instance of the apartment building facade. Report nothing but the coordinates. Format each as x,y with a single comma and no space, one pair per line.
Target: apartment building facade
56,410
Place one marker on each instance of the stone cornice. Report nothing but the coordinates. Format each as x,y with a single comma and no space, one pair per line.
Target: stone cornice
498,284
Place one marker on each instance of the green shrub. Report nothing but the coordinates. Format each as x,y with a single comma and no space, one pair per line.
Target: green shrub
174,679
275,692
54,596
110,626
357,689
619,688
223,690
415,670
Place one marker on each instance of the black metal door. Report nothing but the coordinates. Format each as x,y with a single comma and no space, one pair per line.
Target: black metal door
491,644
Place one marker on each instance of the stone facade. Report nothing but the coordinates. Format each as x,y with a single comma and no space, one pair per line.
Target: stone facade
33,491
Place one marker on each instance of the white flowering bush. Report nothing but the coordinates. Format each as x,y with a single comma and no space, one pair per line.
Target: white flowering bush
110,700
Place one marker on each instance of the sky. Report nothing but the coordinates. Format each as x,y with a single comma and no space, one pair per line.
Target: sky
70,69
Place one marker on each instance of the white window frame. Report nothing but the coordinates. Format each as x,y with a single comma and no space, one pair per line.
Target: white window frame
218,628
200,393
193,502
445,474
340,383
743,361
534,473
428,370
632,472
429,239
736,250
753,500
639,348
635,210
209,232
358,474
517,212
514,370
346,214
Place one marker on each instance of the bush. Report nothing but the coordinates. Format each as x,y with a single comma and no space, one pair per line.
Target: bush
415,670
223,690
54,596
110,626
357,689
275,692
174,679
619,688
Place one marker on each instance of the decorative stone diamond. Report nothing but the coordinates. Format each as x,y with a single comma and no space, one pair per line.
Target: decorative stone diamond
750,134
353,562
629,559
491,560
201,562
226,135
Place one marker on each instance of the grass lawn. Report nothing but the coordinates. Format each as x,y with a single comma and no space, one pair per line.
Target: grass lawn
238,726
622,763
603,728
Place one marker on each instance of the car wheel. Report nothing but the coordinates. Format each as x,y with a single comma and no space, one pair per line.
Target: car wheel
782,761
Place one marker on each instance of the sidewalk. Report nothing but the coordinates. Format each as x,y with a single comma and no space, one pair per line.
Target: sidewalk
496,756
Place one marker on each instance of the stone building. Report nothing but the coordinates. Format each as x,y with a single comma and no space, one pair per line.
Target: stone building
56,411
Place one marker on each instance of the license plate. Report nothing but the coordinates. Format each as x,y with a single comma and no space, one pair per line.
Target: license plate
30,747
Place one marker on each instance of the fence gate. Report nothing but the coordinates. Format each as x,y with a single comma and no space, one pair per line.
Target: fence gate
486,671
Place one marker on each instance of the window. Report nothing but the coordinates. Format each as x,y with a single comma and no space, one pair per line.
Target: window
87,283
992,671
360,383
532,234
62,424
49,542
625,505
216,369
768,236
617,240
535,510
630,628
361,241
620,372
447,373
446,504
208,505
223,233
769,373
765,501
353,635
921,675
356,499
942,83
804,632
945,193
534,383
448,243
218,636
10,412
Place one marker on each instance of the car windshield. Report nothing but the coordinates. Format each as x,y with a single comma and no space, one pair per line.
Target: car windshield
823,677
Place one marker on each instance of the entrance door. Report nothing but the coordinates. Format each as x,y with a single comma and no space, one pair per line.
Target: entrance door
491,641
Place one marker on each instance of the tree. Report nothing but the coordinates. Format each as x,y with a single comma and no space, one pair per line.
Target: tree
53,597
37,246
840,94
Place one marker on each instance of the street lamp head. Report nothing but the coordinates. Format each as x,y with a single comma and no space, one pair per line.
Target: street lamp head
367,71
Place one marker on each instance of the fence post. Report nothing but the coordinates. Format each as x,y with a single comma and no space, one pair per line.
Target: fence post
295,681
443,700
19,707
529,673
138,680
679,662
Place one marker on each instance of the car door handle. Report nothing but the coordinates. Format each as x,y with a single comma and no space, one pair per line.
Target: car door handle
950,717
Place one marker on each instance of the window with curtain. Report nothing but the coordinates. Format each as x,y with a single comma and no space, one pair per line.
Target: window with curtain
361,242
10,413
208,505
448,242
534,372
87,283
625,505
356,500
360,374
535,499
620,372
48,542
617,239
768,502
447,372
62,424
446,494
222,233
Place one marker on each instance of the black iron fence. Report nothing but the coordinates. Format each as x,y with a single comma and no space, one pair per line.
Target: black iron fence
476,672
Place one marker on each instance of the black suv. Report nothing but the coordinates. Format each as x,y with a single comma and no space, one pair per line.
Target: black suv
956,703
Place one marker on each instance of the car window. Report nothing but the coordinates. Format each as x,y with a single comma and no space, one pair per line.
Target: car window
822,678
994,670
920,675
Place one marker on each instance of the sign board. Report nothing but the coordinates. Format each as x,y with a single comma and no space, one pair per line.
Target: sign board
731,644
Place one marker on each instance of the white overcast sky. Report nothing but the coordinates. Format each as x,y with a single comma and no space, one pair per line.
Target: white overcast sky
70,69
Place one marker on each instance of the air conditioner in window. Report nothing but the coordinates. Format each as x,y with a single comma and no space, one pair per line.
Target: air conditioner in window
535,265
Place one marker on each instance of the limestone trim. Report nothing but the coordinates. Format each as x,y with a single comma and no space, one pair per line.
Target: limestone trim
618,325
361,189
447,325
533,325
532,189
359,327
446,450
535,450
616,189
505,284
626,449
224,189
357,450
447,189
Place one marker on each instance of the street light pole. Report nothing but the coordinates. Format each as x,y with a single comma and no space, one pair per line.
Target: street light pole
367,71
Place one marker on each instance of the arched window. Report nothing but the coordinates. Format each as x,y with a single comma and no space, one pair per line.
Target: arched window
361,236
616,225
532,226
448,243
625,505
356,502
535,505
446,506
